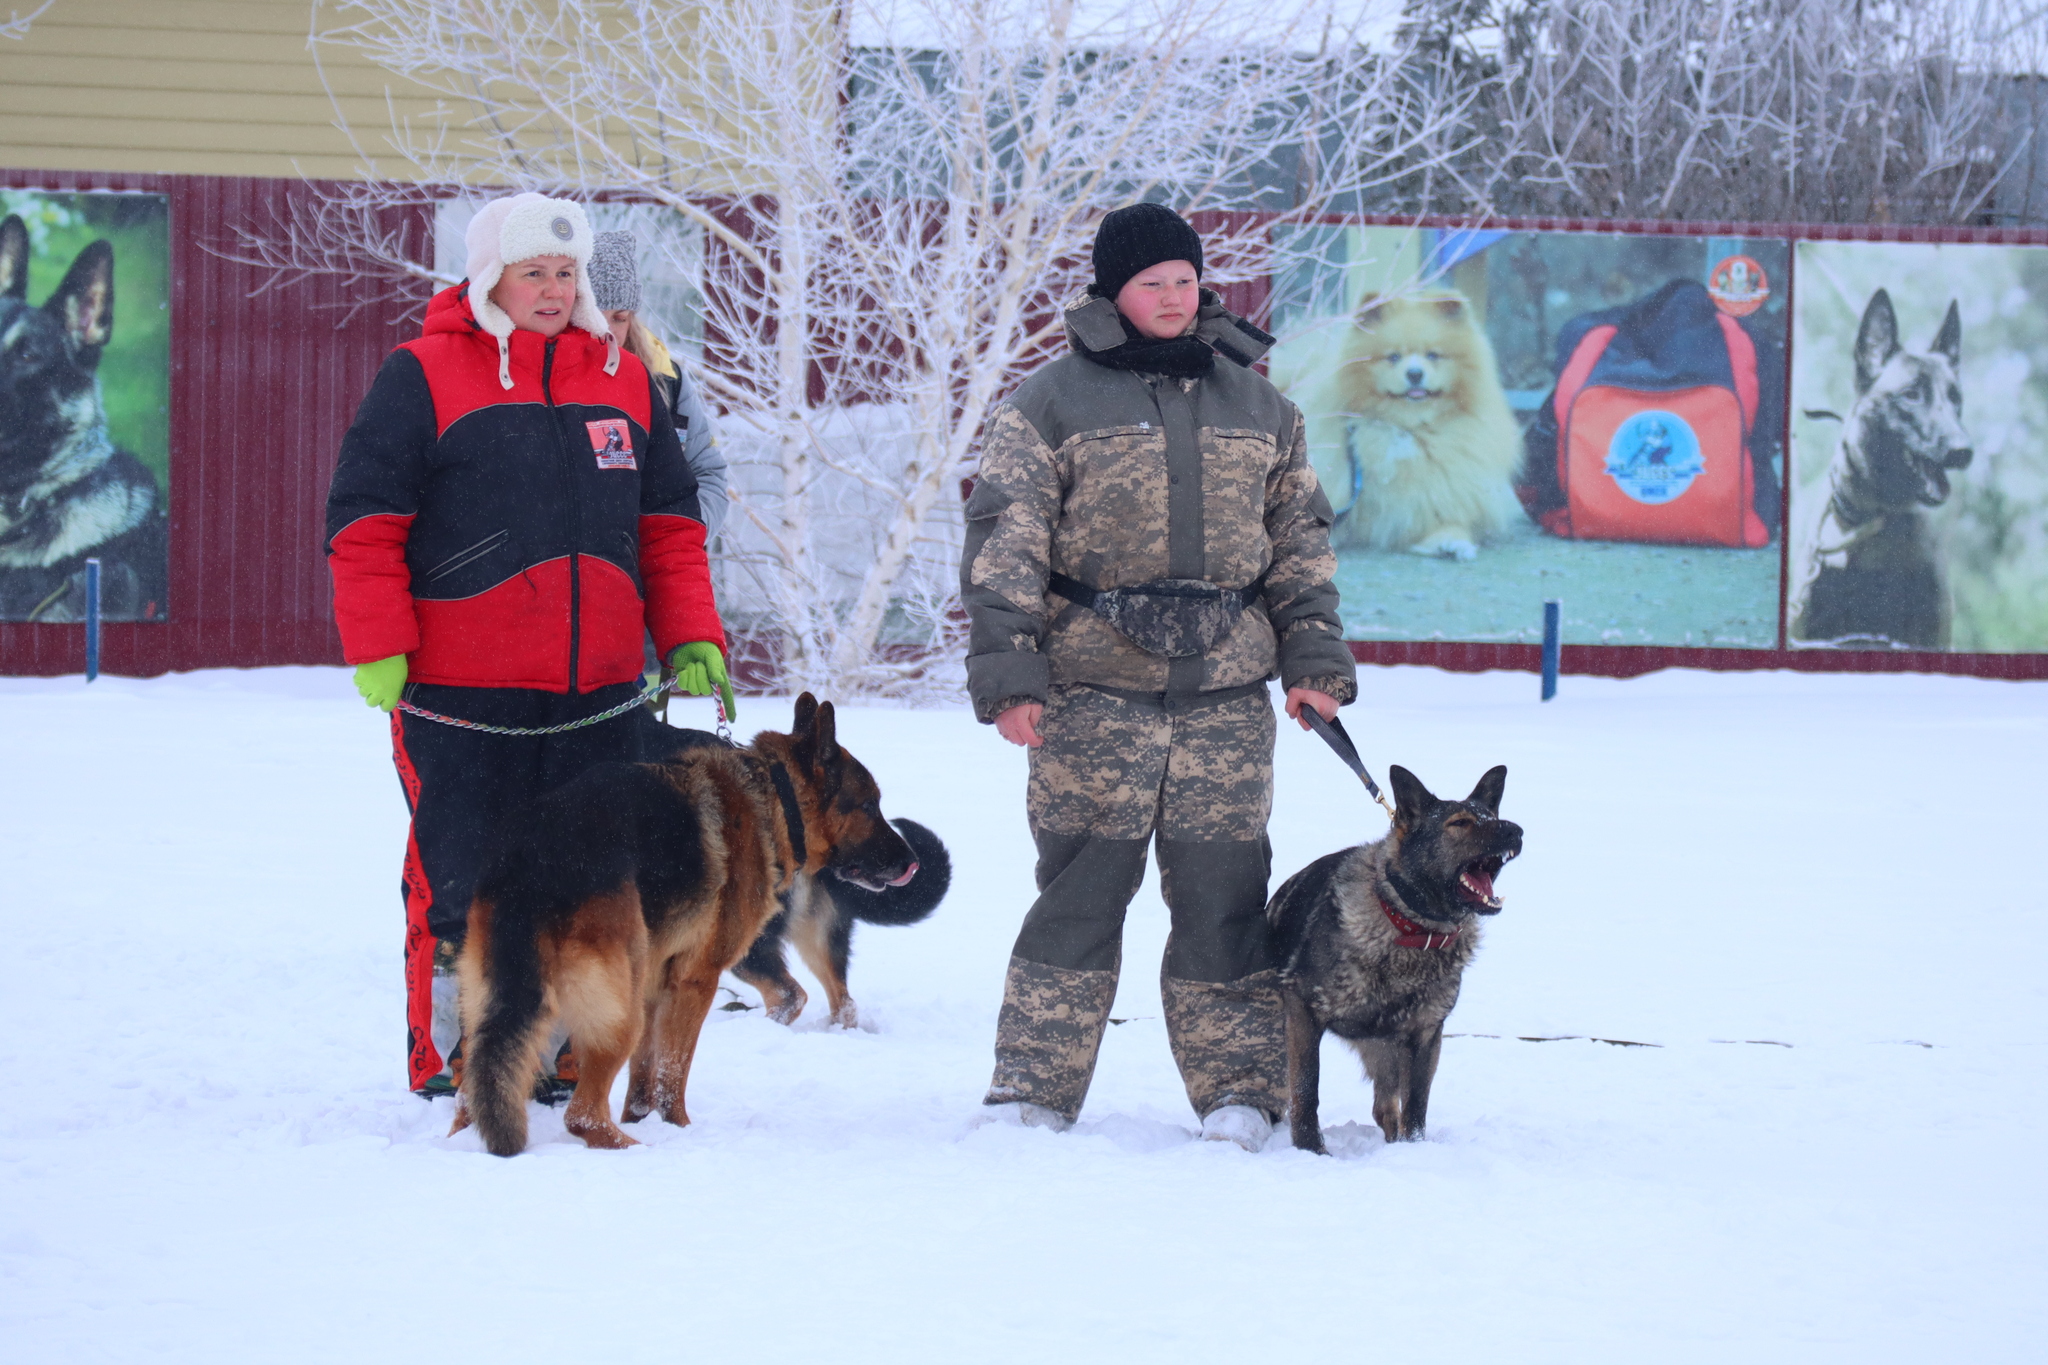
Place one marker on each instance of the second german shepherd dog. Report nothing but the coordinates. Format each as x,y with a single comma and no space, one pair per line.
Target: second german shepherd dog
617,899
1373,944
819,912
1876,573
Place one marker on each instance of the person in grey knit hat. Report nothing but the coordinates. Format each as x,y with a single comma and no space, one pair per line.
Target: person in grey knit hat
614,276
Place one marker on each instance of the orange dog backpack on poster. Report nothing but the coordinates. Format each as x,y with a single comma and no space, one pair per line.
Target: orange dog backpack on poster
1655,428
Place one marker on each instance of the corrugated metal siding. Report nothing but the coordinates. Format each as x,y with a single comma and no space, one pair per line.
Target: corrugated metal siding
262,387
264,384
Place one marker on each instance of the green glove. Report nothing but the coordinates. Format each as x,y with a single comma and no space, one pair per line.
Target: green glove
380,683
699,667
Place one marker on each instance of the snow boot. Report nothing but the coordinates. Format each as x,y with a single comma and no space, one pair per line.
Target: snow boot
1022,1115
1048,1035
1239,1123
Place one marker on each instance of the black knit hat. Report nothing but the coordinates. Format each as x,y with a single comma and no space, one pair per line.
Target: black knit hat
1138,237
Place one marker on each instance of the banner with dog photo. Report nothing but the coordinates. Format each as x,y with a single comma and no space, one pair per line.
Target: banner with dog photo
85,453
1500,418
1919,499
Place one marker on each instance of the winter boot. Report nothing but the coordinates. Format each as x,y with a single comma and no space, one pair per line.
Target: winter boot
1239,1123
1022,1115
1048,1035
1230,1041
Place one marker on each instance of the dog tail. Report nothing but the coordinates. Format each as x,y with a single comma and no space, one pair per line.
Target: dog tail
507,1024
910,902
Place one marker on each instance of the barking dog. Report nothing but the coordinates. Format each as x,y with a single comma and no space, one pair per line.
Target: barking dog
617,900
1876,573
67,493
1373,943
1429,445
820,912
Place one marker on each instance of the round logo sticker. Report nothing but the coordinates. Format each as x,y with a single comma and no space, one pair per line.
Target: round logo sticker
560,227
1738,285
1654,456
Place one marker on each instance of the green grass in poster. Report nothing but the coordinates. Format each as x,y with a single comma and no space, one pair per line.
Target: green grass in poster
135,371
1613,594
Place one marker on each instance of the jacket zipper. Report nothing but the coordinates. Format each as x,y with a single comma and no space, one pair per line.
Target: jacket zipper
574,501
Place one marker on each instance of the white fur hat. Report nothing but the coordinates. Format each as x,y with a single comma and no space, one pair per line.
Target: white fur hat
518,228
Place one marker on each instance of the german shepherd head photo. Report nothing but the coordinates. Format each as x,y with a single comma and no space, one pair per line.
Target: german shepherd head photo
1373,943
67,492
1877,570
614,903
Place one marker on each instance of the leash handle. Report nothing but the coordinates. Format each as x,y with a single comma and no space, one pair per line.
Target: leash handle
1334,735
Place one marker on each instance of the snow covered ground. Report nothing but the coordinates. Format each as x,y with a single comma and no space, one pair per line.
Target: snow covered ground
1816,898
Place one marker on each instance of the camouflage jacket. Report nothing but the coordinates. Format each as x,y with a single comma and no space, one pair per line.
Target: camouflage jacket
1118,478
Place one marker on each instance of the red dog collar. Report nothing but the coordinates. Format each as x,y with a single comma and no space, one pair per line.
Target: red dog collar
1411,934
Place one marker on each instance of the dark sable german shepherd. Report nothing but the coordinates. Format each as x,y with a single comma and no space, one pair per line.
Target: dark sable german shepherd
1877,573
617,899
819,913
67,492
1373,942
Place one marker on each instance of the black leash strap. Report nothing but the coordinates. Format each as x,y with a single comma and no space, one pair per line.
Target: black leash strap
1333,735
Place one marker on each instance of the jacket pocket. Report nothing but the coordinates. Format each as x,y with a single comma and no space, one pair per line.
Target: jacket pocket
490,544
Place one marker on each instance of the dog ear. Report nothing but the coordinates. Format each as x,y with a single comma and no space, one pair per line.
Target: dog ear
1489,790
1877,340
827,734
1451,308
13,258
1948,341
1369,311
806,716
84,303
1412,800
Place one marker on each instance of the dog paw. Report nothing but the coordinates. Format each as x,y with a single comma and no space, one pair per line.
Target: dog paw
1446,547
603,1136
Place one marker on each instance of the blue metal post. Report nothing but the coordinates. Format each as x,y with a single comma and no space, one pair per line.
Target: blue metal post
1551,648
92,619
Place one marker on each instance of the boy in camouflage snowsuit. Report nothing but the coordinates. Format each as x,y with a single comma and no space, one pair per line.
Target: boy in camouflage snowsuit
1140,458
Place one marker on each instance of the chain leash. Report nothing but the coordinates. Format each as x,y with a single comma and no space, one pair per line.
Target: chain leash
659,687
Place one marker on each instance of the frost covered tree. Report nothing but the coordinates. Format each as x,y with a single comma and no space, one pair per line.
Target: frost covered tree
891,199
1864,111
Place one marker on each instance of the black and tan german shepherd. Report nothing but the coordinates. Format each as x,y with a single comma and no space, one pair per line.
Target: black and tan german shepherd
1877,573
819,912
67,492
616,901
1373,943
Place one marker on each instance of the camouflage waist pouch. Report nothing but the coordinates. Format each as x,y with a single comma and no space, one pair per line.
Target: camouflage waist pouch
1176,618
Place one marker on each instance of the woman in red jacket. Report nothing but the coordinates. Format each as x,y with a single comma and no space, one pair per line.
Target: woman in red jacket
511,514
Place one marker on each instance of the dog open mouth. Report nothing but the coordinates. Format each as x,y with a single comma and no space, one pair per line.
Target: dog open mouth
875,881
1417,393
1934,485
1475,882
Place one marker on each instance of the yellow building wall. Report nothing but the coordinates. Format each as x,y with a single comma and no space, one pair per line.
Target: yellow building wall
224,87
195,87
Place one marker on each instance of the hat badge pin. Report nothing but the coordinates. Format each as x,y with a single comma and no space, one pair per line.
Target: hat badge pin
561,228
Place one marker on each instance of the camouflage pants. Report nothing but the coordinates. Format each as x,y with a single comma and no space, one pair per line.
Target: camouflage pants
1114,775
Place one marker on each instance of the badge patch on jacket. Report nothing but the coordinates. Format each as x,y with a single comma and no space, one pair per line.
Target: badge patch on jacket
611,440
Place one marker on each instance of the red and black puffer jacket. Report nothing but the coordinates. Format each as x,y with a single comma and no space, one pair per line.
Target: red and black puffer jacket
521,537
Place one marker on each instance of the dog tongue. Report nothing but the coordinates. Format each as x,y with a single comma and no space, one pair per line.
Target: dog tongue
1477,879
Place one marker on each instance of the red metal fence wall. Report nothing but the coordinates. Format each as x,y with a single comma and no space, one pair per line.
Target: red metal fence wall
262,387
264,383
